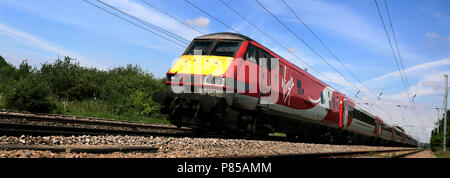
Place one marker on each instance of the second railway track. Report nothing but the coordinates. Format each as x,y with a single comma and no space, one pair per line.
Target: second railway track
385,153
21,123
18,123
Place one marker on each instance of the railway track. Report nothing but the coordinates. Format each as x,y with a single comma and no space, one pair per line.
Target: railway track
83,148
390,153
25,123
404,155
18,123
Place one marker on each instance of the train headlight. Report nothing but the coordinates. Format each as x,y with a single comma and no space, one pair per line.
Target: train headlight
173,77
210,80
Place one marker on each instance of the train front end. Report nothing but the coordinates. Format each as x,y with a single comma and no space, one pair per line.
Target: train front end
201,83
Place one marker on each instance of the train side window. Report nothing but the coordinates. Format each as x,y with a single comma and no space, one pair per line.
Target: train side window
250,54
299,87
321,98
267,58
334,104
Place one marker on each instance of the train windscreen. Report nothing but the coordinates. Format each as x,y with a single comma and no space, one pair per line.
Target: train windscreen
214,48
199,47
225,48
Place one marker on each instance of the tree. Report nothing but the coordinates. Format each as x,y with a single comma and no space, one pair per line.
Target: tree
30,94
436,139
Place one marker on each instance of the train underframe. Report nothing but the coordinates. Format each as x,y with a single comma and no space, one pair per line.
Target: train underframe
215,114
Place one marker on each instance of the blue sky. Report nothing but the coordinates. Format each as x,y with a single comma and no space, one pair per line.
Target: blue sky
40,31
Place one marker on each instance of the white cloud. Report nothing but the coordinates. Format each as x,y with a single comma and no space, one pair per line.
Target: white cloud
437,37
201,22
346,23
412,69
154,18
293,49
419,117
432,35
430,84
395,108
42,44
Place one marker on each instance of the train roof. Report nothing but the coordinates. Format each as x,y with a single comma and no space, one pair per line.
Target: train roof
238,36
224,35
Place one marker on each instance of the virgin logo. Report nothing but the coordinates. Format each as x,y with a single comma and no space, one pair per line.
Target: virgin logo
287,87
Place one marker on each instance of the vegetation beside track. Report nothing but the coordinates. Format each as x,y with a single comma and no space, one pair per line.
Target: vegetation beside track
65,87
436,140
442,154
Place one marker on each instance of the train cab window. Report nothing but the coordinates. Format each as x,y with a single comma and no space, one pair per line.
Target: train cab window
225,48
265,58
299,86
250,54
199,47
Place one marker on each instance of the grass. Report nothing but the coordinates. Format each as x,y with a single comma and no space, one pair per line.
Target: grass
280,134
442,154
2,101
101,109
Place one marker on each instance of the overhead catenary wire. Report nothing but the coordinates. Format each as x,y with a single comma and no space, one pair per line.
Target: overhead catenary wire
330,51
392,49
223,23
400,56
396,44
277,42
306,44
172,35
158,9
169,34
323,44
402,75
118,16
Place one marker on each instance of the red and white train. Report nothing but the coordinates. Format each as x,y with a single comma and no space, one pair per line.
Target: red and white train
227,82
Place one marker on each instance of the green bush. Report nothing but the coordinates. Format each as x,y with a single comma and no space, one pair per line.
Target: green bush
65,87
70,81
436,140
30,94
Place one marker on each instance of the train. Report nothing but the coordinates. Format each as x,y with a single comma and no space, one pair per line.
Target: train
230,84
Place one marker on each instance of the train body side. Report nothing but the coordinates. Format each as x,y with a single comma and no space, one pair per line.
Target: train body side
233,88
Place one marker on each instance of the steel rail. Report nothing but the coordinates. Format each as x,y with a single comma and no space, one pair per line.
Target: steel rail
83,148
33,129
327,154
4,114
407,154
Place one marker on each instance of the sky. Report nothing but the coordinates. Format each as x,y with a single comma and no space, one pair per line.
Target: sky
41,31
